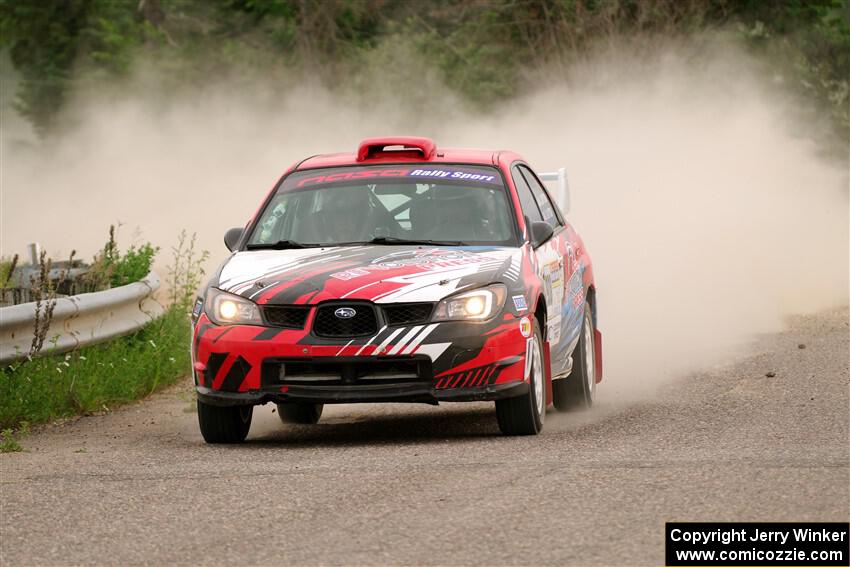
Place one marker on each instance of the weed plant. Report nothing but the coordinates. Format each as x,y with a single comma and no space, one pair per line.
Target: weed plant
98,377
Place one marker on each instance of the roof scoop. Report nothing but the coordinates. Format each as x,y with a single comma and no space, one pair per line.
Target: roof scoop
396,147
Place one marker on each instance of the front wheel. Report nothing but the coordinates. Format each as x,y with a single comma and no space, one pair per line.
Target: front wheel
524,414
224,424
579,388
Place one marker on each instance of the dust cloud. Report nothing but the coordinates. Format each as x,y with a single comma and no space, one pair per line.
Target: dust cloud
710,211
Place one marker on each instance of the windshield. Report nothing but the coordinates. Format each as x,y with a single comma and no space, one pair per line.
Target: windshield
448,204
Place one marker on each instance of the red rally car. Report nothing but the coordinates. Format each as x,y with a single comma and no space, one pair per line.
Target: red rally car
403,272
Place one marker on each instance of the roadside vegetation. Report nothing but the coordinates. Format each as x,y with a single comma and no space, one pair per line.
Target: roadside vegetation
99,377
7,266
486,51
9,438
111,268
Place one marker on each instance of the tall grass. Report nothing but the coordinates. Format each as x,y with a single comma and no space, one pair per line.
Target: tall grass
97,377
101,376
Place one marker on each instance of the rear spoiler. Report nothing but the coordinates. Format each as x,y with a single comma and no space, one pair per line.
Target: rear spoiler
562,193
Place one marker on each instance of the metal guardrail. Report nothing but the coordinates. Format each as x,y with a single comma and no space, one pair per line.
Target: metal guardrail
81,320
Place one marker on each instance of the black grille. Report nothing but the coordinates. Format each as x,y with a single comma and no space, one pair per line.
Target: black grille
327,371
328,324
287,316
408,314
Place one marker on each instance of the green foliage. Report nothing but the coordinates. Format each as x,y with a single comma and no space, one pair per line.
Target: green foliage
110,268
51,41
134,264
810,42
97,377
8,441
7,268
186,271
483,49
119,371
43,43
43,291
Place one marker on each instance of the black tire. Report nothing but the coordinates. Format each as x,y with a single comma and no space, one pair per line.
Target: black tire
579,388
524,414
300,413
224,424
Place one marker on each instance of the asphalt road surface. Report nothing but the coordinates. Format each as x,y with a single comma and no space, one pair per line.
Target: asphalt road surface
402,484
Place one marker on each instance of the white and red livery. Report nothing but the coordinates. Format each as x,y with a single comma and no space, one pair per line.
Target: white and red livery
403,272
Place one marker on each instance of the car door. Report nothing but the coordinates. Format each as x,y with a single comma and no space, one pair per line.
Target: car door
548,260
557,259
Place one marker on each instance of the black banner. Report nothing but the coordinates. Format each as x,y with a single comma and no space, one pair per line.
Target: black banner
692,544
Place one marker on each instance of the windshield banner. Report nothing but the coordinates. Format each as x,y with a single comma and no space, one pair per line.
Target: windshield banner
483,176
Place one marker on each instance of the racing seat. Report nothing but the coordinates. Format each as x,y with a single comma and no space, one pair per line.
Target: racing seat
451,213
423,212
346,217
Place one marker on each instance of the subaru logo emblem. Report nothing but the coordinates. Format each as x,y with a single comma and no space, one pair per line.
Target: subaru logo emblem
345,312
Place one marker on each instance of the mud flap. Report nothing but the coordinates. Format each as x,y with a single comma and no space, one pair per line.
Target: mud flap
597,354
547,371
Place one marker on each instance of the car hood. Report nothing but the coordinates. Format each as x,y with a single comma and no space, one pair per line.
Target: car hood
383,274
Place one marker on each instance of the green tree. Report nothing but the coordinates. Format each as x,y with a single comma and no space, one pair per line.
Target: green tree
481,48
50,41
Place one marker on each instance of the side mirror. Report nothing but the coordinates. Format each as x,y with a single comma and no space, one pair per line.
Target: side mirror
541,231
232,237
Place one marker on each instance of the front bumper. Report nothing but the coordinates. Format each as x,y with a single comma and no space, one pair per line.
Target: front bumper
363,394
241,364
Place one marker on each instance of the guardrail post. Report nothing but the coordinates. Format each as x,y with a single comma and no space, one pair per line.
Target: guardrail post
34,249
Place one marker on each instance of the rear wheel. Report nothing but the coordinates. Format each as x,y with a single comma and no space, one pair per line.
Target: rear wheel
579,388
524,414
224,424
300,413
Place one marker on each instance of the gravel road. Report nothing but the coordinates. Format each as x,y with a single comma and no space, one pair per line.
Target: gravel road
402,484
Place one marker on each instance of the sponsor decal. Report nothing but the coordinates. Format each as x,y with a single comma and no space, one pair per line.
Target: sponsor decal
196,310
550,271
571,257
525,327
350,274
554,334
578,298
424,259
576,287
454,174
350,175
371,173
519,303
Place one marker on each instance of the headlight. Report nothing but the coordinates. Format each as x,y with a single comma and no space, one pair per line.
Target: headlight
476,305
228,309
